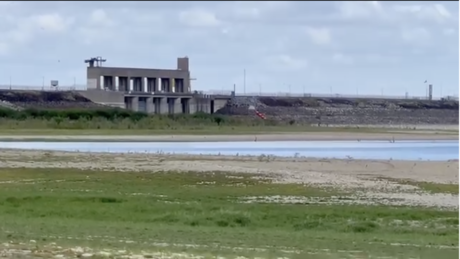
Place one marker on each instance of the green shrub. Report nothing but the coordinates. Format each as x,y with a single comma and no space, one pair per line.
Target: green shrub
120,119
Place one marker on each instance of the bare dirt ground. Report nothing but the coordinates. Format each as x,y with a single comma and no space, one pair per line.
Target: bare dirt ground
296,136
367,181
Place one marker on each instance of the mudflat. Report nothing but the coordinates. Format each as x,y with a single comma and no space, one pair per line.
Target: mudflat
390,182
292,136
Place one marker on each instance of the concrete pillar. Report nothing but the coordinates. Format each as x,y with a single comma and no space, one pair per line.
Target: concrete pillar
145,84
187,105
159,84
173,85
150,105
128,102
207,105
177,105
101,83
135,104
157,104
164,105
170,102
130,83
192,105
117,83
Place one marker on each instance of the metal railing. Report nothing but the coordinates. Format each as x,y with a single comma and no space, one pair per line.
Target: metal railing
44,88
229,93
351,96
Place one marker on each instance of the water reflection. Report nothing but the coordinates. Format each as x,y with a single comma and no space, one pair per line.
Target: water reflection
404,150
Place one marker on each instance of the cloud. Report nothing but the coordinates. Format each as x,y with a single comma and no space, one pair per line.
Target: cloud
360,10
319,36
376,58
198,18
5,5
248,13
397,12
416,35
20,31
249,10
97,28
52,22
99,17
433,12
449,31
3,49
286,62
303,44
340,58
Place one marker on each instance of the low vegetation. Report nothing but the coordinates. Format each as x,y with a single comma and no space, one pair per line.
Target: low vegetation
114,121
208,214
428,186
117,119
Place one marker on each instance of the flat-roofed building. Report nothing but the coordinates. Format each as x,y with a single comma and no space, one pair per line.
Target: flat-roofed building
150,90
139,80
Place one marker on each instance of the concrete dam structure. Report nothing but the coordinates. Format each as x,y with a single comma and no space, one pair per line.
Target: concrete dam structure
348,111
283,110
158,103
157,91
169,91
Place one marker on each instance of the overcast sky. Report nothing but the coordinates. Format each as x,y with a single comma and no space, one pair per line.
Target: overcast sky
316,47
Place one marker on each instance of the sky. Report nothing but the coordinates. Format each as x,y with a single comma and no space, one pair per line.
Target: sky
364,48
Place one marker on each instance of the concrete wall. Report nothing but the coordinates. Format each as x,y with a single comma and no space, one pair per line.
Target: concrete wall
200,105
219,103
95,74
114,99
156,104
337,111
159,105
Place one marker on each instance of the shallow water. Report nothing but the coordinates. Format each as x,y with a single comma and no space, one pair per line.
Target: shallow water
401,150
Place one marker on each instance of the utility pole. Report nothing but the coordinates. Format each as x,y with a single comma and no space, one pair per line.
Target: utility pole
244,81
426,89
190,83
441,90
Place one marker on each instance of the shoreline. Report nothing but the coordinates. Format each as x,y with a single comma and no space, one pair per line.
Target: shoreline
214,157
311,170
308,136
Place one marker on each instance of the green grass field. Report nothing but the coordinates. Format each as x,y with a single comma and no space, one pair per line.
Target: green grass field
206,214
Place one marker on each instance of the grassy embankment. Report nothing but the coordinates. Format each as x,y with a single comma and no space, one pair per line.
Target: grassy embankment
203,214
121,122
